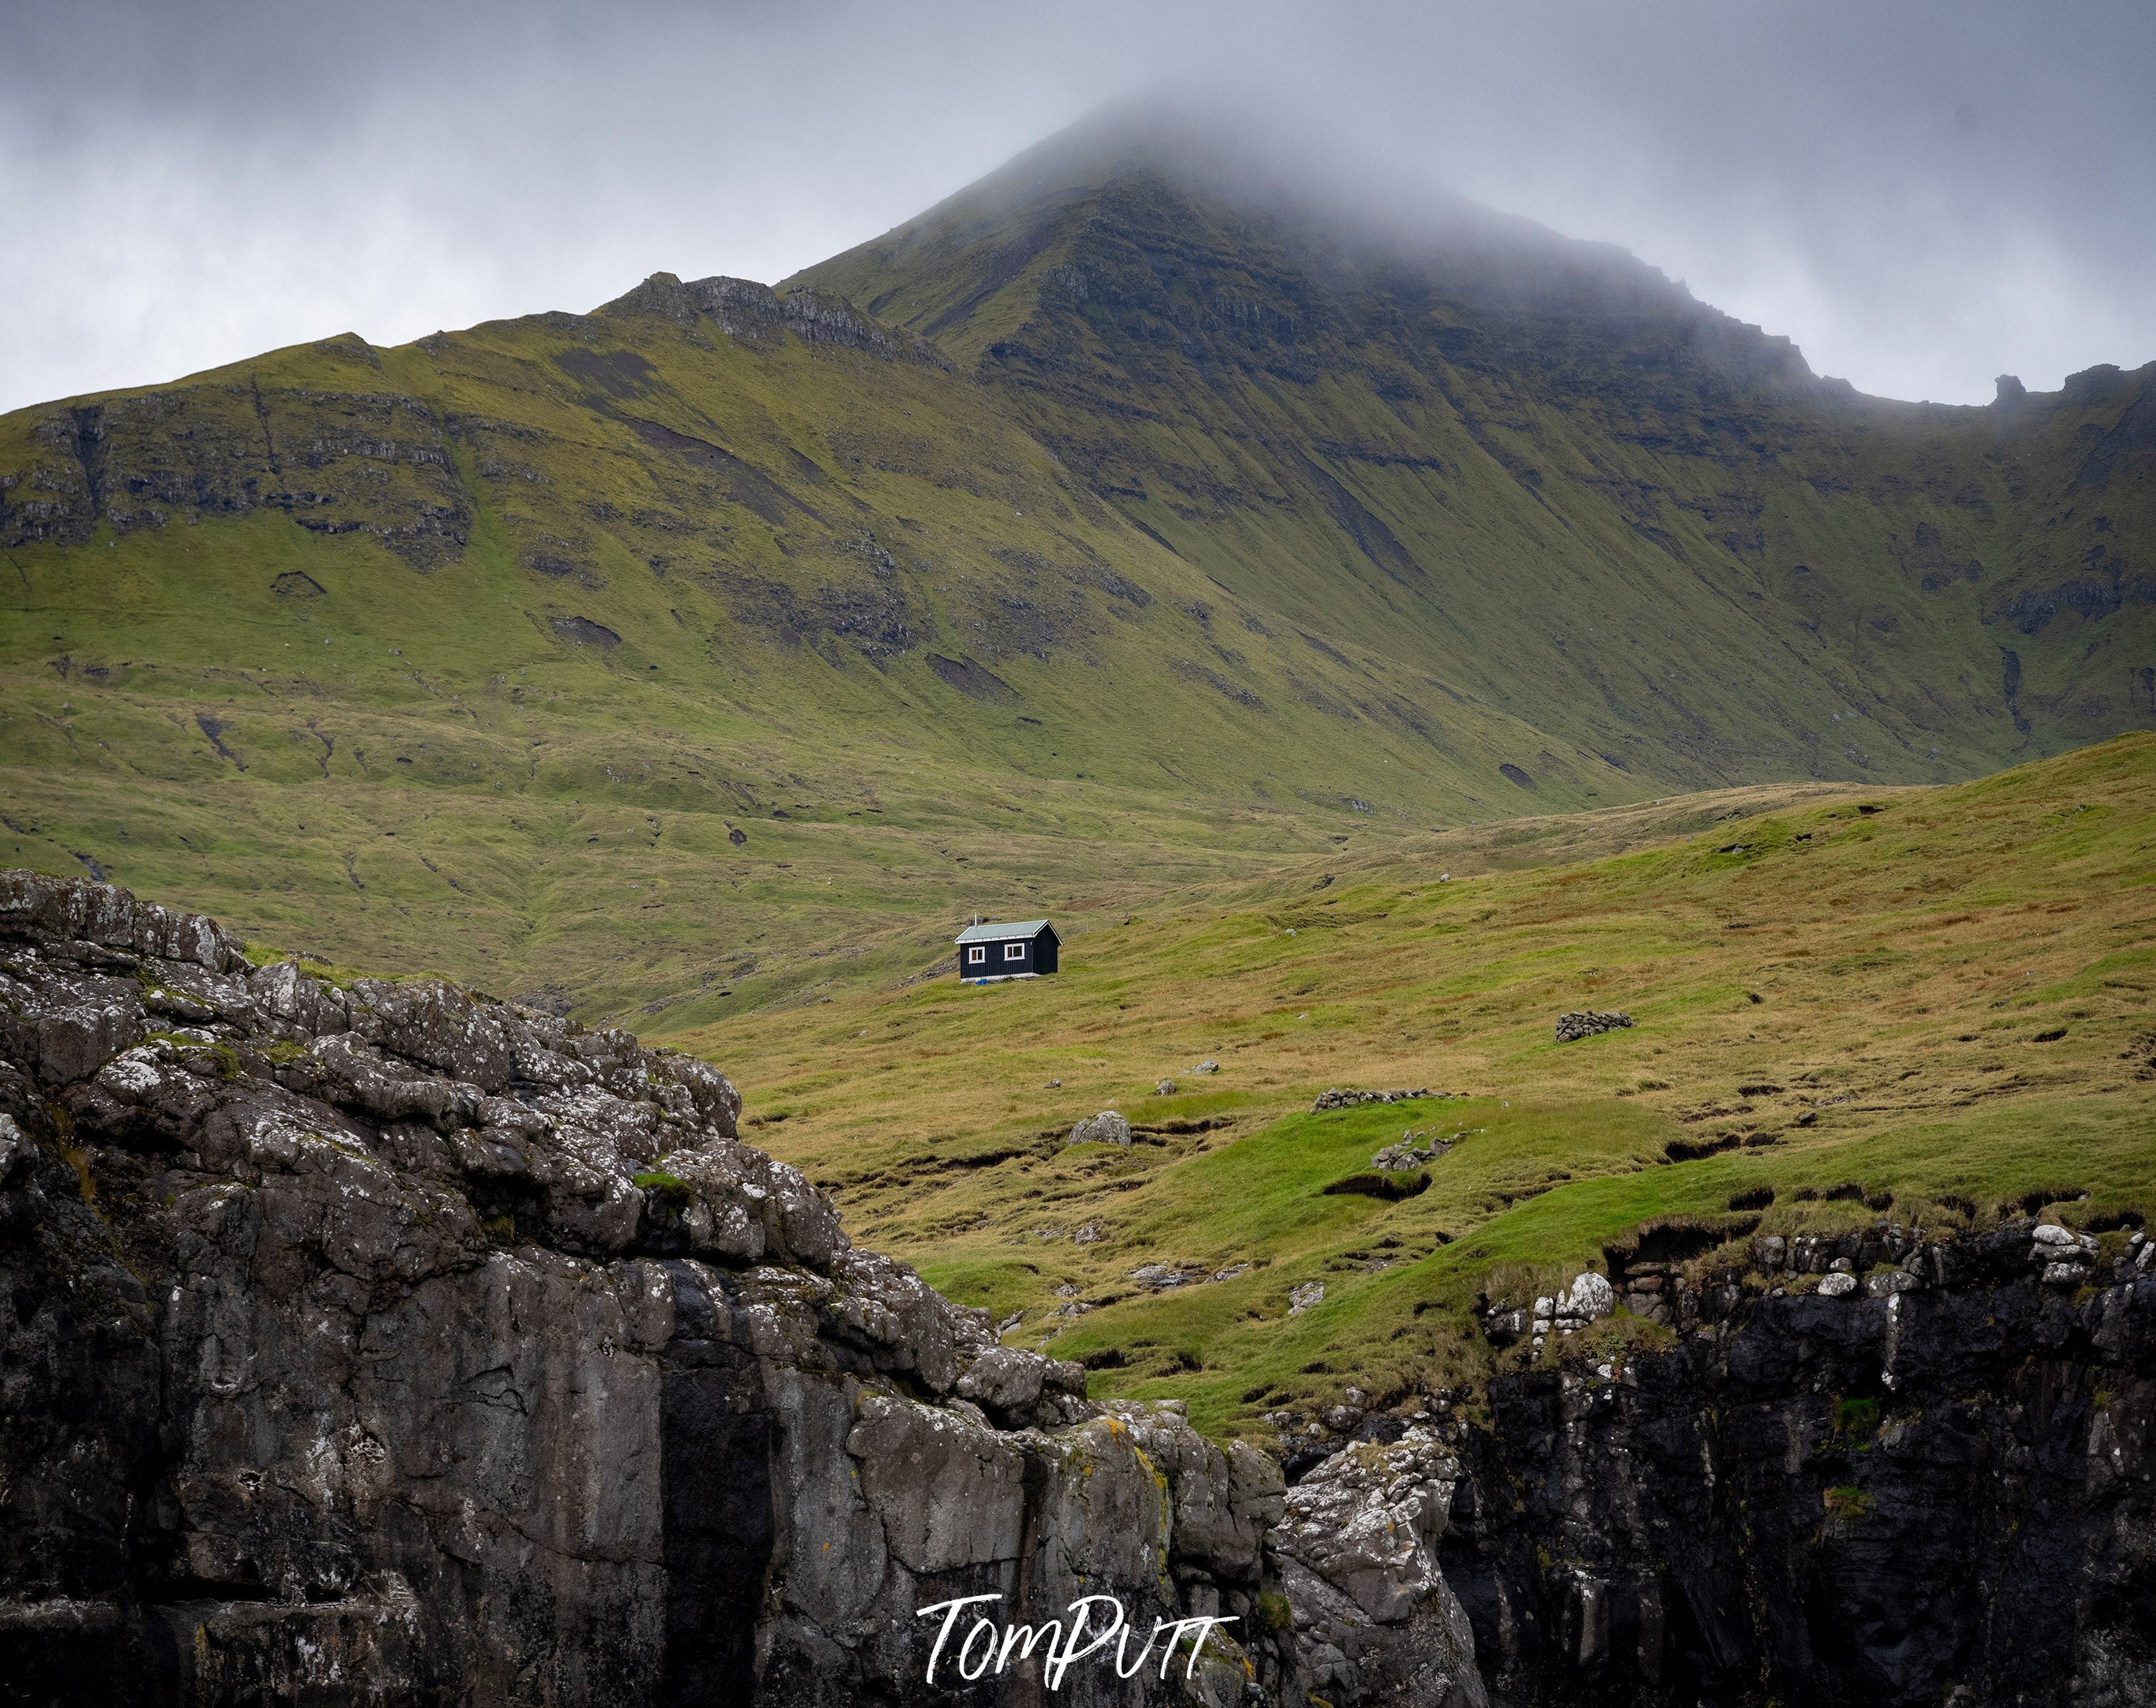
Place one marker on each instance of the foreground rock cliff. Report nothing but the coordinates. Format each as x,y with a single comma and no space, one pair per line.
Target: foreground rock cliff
387,1344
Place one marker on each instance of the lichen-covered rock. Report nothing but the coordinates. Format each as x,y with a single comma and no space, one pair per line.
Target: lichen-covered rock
1373,1617
1589,1298
1411,1150
1343,1097
1105,1128
1004,1379
1585,1022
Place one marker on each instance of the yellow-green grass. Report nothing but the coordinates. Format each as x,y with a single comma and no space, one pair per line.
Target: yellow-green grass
421,763
482,652
1893,965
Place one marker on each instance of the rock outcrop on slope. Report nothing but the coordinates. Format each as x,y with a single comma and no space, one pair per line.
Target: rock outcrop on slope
1587,1023
386,1343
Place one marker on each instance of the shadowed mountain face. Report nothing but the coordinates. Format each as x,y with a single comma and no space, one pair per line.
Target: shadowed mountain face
1163,521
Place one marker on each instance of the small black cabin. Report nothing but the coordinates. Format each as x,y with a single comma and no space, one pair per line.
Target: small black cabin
1019,950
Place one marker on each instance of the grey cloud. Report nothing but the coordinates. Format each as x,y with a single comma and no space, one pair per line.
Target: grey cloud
1922,195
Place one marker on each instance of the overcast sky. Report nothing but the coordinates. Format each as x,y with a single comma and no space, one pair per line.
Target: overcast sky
1923,196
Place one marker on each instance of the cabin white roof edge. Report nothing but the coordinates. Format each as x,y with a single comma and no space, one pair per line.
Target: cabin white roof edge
1002,933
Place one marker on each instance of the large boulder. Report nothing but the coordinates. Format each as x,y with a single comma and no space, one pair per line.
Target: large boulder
1105,1128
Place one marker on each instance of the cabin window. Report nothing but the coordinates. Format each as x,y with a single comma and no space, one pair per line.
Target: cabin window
1014,951
978,953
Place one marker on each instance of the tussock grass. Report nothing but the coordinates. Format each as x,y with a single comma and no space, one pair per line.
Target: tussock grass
1903,961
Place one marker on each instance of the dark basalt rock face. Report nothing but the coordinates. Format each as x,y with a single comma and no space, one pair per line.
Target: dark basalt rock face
1936,1489
389,1344
386,1344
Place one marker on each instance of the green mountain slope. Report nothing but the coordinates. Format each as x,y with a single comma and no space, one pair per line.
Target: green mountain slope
724,641
1605,506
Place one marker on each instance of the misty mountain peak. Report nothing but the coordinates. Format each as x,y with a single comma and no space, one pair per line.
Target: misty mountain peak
1195,232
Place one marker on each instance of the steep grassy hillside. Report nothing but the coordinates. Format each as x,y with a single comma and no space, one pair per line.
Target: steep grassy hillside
1938,997
1608,507
672,659
615,652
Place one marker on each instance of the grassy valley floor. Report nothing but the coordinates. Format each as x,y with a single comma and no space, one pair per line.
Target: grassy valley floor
1937,1000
